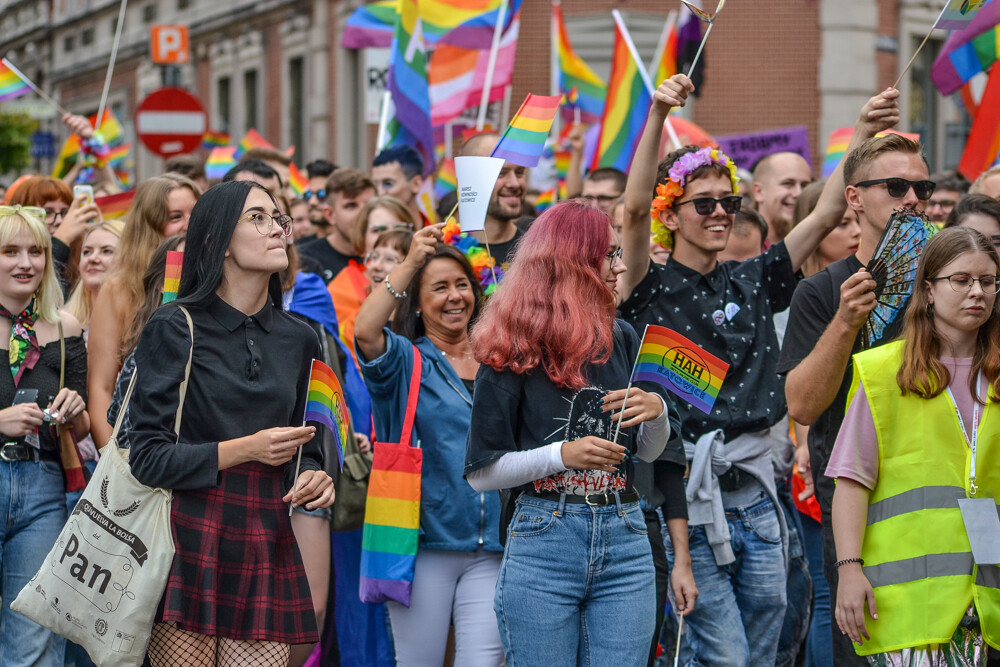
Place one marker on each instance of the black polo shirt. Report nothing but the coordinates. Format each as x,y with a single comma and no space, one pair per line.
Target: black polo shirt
728,312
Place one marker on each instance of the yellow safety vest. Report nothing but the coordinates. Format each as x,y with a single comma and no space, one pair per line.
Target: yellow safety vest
916,552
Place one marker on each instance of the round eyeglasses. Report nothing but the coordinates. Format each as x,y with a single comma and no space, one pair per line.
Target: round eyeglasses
962,282
264,222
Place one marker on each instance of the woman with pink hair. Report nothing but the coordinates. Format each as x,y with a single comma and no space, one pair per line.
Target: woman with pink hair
577,572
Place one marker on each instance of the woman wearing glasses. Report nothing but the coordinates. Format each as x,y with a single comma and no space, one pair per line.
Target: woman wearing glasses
32,489
237,593
921,434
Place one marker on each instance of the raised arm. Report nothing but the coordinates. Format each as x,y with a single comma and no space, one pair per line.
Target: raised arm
879,113
378,307
642,179
574,174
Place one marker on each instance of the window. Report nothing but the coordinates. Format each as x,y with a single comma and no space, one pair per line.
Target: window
69,43
250,99
149,13
296,101
222,90
87,37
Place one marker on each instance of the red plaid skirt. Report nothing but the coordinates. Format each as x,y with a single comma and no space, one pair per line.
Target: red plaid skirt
237,570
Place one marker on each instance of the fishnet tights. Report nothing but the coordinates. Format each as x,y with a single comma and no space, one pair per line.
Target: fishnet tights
171,647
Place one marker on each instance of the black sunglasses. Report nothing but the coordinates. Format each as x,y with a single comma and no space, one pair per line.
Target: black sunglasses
705,205
898,187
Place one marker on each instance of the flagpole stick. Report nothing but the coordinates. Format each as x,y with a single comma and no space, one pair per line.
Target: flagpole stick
383,122
697,55
628,388
491,65
111,64
486,239
680,630
39,91
453,209
915,54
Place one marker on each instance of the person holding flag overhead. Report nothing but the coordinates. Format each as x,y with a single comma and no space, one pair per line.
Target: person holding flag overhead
738,551
551,425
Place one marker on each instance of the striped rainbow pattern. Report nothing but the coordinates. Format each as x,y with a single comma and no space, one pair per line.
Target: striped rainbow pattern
172,276
392,523
680,366
325,405
212,139
220,160
575,73
115,206
297,180
523,141
968,51
958,13
836,146
626,110
667,61
372,25
411,124
252,139
11,85
446,180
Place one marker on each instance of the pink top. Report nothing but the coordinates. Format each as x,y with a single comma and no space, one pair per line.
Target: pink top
855,454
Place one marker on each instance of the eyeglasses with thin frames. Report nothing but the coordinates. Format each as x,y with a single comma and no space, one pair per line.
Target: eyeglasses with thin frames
614,256
962,282
264,222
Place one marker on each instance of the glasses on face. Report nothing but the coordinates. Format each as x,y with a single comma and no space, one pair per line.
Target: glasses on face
385,259
898,187
52,216
319,194
600,200
33,211
264,222
614,256
962,282
705,205
943,203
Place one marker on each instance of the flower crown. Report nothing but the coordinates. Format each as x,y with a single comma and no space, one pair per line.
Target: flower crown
474,251
677,178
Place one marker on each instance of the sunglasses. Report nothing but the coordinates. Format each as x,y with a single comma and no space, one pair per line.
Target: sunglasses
320,194
898,187
705,205
34,211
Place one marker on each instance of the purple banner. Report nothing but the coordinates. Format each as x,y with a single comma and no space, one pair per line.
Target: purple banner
747,149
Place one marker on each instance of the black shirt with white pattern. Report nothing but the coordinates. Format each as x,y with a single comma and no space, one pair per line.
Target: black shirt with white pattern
729,312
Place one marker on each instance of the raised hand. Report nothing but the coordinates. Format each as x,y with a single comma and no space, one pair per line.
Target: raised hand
880,113
672,93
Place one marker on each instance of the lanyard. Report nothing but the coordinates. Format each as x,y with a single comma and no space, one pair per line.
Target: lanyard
975,430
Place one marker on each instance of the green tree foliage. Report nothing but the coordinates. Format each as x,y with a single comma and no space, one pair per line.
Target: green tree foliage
15,141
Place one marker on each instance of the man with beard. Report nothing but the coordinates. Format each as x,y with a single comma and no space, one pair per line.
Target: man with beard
506,202
778,180
318,172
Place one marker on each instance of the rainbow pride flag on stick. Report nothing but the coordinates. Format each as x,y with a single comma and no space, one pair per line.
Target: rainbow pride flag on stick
679,366
297,180
524,139
326,405
115,206
172,276
220,160
11,85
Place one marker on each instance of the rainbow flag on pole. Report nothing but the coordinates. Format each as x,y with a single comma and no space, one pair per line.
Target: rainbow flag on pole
11,85
523,141
172,276
680,366
968,51
957,14
115,206
297,180
220,160
574,72
626,109
212,139
411,124
252,139
326,405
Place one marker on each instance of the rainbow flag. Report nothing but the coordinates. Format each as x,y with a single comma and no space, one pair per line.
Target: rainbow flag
252,139
11,85
372,24
220,160
575,73
545,200
111,129
115,206
172,276
625,113
118,153
212,139
666,60
411,124
957,14
982,147
679,366
297,180
969,51
326,405
523,141
446,181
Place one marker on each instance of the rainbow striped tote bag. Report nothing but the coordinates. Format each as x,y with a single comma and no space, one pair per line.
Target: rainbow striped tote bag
392,511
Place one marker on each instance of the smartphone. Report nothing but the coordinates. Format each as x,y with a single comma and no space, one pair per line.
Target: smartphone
84,190
26,396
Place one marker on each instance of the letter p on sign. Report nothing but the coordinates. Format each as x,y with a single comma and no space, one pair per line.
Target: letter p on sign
170,45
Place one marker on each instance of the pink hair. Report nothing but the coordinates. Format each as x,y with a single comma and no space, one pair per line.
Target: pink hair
553,308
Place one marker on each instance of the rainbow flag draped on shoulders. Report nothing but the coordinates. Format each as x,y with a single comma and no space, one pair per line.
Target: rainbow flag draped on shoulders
575,73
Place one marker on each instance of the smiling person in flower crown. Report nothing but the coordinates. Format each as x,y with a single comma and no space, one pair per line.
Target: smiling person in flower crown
728,309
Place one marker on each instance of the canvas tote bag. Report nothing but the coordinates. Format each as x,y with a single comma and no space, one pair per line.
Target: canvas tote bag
101,583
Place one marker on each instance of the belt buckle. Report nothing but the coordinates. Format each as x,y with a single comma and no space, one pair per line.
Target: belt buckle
3,452
603,495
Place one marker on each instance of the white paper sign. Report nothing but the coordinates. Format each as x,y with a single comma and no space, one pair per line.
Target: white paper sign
476,176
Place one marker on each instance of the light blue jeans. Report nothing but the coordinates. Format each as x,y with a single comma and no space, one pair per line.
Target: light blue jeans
32,512
741,606
576,586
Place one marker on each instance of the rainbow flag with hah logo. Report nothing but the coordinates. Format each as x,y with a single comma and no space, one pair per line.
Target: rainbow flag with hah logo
680,366
326,405
523,141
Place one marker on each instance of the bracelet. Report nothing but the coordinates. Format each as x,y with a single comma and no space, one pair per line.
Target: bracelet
393,292
846,561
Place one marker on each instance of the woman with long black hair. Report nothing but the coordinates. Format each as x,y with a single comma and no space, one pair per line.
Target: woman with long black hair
237,593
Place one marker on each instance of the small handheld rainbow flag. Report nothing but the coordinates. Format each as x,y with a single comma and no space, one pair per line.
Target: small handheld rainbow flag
172,276
212,139
252,139
524,139
679,366
115,206
326,405
836,146
220,160
297,180
11,85
446,181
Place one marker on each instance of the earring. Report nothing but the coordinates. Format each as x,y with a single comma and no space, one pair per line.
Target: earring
418,313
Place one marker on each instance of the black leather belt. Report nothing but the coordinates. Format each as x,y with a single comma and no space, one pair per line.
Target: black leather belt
594,499
13,451
734,479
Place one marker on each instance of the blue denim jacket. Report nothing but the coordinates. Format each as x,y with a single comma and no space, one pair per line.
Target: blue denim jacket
453,517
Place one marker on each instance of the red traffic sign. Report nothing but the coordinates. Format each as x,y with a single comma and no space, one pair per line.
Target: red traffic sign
171,121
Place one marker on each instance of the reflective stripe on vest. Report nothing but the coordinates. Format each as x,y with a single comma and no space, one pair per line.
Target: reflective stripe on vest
914,500
921,567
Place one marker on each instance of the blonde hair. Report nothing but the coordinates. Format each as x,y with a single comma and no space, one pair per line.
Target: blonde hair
49,297
977,186
387,203
80,303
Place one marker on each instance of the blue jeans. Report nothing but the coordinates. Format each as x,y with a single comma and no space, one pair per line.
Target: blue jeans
576,586
32,512
741,606
819,648
799,588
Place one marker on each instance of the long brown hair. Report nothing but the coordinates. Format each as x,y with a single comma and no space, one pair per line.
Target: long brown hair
922,372
152,291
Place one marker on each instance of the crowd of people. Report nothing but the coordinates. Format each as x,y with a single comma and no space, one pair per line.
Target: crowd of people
567,515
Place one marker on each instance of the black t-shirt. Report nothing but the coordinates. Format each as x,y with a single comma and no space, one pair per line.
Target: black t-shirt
517,412
330,260
730,313
501,252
